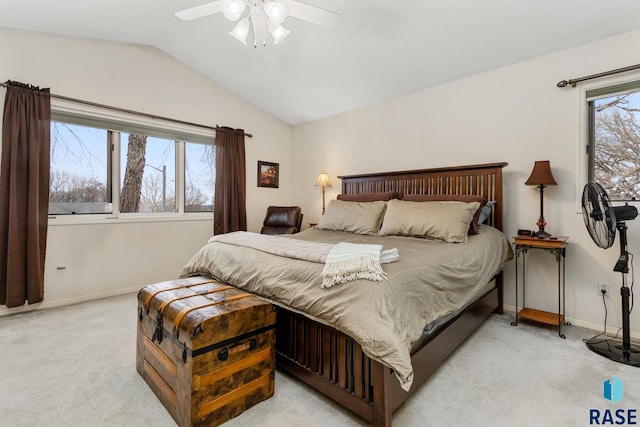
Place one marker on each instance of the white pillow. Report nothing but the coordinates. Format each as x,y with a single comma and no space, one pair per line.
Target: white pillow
443,220
354,217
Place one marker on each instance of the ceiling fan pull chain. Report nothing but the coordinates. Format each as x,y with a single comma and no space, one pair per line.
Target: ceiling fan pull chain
264,33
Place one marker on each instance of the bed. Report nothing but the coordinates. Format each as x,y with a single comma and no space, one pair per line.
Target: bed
326,342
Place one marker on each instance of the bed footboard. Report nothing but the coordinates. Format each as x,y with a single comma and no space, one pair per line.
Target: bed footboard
327,360
334,364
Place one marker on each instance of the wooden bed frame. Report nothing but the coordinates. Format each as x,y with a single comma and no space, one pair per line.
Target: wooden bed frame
334,364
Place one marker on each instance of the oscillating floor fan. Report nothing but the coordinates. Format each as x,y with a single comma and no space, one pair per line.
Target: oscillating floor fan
602,220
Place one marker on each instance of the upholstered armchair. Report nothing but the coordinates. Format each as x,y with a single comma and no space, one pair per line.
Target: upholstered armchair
282,220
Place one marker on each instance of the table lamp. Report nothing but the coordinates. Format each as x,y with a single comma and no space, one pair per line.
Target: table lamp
323,181
541,176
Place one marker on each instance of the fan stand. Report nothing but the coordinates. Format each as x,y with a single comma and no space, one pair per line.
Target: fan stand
612,348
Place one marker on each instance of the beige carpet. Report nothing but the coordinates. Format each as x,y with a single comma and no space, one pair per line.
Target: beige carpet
75,366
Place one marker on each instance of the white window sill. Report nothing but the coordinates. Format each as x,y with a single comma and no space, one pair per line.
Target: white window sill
85,219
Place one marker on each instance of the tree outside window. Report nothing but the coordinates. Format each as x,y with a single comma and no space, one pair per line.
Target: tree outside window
614,147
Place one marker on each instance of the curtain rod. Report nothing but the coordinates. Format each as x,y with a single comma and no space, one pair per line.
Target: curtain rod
125,110
572,82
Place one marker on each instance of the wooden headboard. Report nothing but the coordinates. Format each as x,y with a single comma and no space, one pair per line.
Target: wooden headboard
484,180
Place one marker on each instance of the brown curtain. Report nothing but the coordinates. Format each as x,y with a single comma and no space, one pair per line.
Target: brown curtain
229,206
24,193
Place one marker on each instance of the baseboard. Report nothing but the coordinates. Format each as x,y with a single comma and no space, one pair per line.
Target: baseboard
511,310
60,303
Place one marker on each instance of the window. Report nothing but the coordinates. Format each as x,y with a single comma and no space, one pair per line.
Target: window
199,177
147,174
105,166
80,162
614,139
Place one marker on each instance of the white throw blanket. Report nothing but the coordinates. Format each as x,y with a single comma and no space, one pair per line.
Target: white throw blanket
347,261
389,255
350,261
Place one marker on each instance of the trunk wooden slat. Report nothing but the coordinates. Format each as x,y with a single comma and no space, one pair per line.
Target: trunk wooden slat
207,350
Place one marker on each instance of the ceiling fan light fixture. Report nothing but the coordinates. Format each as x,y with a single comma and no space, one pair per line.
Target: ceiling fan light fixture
278,32
241,31
263,15
276,11
232,9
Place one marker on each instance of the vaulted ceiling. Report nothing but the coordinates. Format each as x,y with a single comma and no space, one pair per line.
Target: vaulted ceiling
377,50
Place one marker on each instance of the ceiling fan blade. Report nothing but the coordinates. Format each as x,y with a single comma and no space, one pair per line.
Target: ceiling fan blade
599,215
313,14
199,11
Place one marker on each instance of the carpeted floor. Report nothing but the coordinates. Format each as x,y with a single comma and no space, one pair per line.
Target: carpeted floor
75,366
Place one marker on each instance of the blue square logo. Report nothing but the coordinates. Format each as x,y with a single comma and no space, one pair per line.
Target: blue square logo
613,389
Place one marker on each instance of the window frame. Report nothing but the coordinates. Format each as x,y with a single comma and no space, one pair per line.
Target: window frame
583,140
66,108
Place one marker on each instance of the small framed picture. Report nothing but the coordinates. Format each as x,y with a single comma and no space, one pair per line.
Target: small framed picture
268,174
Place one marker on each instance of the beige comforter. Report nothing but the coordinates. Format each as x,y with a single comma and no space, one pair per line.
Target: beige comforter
431,279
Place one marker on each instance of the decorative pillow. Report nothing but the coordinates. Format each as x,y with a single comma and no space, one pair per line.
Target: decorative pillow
485,212
354,217
444,220
370,197
466,198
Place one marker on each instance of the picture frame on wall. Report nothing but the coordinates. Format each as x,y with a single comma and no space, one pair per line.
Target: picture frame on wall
268,174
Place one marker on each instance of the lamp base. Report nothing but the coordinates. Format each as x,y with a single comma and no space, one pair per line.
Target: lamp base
541,234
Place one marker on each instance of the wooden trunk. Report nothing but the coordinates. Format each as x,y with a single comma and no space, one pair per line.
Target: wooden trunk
206,349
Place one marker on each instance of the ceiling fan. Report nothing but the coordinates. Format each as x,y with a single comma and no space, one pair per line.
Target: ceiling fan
602,219
262,15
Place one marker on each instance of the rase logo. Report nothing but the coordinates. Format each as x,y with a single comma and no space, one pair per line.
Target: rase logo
612,391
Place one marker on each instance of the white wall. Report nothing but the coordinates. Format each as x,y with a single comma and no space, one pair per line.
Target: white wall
109,258
514,114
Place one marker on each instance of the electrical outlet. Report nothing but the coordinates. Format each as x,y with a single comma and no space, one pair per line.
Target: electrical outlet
603,287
